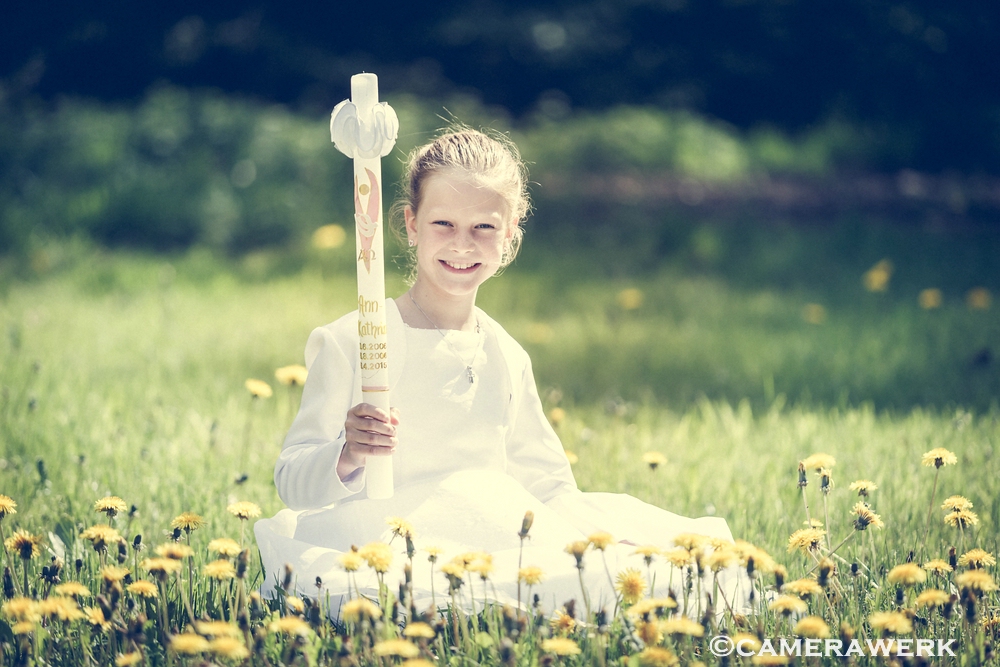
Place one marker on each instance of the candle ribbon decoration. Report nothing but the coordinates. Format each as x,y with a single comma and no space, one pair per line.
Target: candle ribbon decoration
364,129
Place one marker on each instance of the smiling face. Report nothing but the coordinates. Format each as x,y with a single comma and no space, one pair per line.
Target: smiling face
460,231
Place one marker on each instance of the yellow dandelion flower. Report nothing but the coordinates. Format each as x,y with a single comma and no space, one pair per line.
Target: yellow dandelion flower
571,457
359,609
812,626
876,279
7,506
21,609
962,519
530,575
649,632
244,510
806,540
96,618
161,566
378,555
746,643
113,573
631,584
819,461
101,536
657,656
651,605
188,643
720,559
682,625
561,622
560,646
64,609
400,527
217,629
769,660
557,416
937,457
111,505
930,298
187,521
975,580
417,662
864,487
24,544
483,566
220,570
258,388
350,561
907,574
954,503
601,540
23,628
803,588
630,298
143,588
891,621
419,630
329,237
291,626
292,376
174,550
577,549
979,298
224,546
71,589
932,597
788,605
128,659
678,557
977,558
689,541
937,566
865,517
654,460
229,648
295,605
647,551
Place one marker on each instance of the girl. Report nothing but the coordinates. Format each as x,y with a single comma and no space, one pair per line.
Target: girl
472,450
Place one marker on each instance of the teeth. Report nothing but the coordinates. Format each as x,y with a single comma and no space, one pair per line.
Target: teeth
460,267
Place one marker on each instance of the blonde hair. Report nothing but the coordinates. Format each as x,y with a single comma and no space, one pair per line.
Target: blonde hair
490,161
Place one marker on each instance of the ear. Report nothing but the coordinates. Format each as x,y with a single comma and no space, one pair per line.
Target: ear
509,230
411,224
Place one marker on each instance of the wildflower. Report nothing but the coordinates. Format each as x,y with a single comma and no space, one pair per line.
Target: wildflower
329,237
678,557
72,589
962,519
24,543
977,559
225,547
689,540
720,559
630,298
937,566
111,505
876,279
768,659
350,561
291,625
978,298
419,630
819,461
865,517
174,550
377,555
656,656
631,584
530,575
143,588
244,510
360,609
65,609
930,298
745,642
455,571
956,503
400,527
787,605
864,487
128,659
483,566
975,580
601,540
649,632
292,376
560,646
229,648
812,626
258,388
561,622
803,588
906,574
932,597
21,609
938,457
23,628
891,621
762,561
295,605
113,573
806,540
188,643
647,551
571,457
557,416
217,629
220,570
187,522
577,549
397,647
161,567
654,460
526,523
101,536
650,605
96,618
7,506
682,625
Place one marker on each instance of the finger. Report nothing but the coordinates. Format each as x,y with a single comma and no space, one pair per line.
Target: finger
394,415
363,424
369,411
371,438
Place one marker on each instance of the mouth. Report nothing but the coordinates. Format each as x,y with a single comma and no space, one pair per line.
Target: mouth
460,267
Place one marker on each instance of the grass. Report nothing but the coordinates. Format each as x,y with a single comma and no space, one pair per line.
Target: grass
124,375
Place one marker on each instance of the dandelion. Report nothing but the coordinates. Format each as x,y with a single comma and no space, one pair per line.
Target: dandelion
978,298
217,629
220,570
891,621
397,647
21,609
654,460
601,540
377,555
187,522
561,646
228,648
977,559
142,588
64,609
630,298
812,626
649,632
937,566
557,416
876,279
787,605
907,574
656,656
647,551
819,461
975,580
161,567
938,457
258,388
244,510
350,561
864,487
24,543
530,575
101,536
111,505
329,237
113,574
682,625
419,630
225,547
400,527
930,298
956,503
455,573
932,597
865,517
360,609
678,557
128,659
7,506
295,605
483,566
746,642
292,376
962,519
561,622
806,540
631,585
689,541
650,605
293,626
96,618
188,643
174,550
803,588
577,549
571,457
71,589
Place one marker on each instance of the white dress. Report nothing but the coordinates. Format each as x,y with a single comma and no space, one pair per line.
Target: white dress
472,459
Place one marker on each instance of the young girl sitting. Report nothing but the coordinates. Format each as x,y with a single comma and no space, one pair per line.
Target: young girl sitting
471,449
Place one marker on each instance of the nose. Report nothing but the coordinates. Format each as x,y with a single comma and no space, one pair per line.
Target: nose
462,241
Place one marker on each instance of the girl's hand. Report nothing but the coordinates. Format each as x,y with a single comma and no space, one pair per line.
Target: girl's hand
369,431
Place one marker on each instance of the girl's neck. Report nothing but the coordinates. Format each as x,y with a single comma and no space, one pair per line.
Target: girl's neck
423,310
